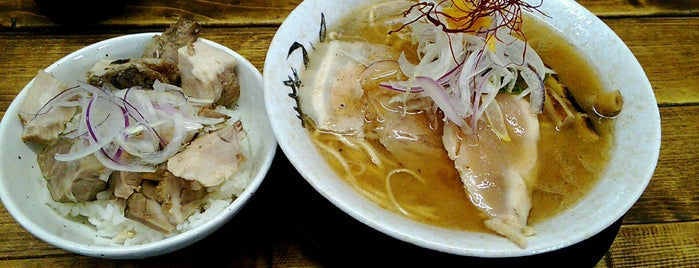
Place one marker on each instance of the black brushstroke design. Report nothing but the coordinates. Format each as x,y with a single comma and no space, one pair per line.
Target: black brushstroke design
294,47
323,28
294,82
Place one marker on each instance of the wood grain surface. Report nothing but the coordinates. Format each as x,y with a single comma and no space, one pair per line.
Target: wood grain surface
661,230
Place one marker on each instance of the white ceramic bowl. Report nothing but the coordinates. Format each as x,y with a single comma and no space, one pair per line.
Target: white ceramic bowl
23,190
633,157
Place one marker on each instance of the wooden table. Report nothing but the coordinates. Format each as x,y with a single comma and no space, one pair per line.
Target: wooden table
661,230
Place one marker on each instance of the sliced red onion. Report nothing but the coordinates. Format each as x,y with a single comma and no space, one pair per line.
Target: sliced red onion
535,89
173,145
101,131
115,122
463,72
441,98
400,86
65,98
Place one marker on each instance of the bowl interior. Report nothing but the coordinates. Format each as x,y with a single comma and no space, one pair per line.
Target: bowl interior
632,160
23,189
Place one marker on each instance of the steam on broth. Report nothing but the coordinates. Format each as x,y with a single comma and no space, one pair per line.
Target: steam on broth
403,137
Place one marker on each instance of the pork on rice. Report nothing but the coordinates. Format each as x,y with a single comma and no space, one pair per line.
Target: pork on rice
147,179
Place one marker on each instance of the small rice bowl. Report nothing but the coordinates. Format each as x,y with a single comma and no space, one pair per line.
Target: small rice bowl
98,228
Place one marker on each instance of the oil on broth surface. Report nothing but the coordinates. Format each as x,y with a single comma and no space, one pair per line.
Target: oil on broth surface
568,163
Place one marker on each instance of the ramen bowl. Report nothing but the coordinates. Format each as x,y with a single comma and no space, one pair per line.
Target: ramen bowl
24,192
632,159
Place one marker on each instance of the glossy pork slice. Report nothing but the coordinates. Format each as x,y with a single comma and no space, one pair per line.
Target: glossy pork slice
332,96
208,73
496,174
72,181
44,126
212,157
410,135
407,134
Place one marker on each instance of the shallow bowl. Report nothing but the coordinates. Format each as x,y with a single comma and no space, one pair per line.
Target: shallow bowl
23,189
633,156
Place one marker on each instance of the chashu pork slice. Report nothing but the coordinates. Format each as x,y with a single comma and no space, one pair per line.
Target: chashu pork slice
72,181
45,126
332,95
148,211
208,73
211,158
410,134
178,34
497,174
126,73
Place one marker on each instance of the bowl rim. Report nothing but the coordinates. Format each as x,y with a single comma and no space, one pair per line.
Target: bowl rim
167,244
359,210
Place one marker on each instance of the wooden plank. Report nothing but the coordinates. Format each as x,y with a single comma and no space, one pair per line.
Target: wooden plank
27,14
669,59
635,8
670,62
19,52
673,193
259,236
655,245
284,256
16,242
637,245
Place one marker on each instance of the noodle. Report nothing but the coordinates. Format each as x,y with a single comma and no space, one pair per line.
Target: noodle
372,153
321,140
410,173
419,210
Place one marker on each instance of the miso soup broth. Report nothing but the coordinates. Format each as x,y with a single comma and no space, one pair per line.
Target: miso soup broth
396,158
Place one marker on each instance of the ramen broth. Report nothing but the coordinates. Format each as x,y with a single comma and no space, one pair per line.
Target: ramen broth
424,182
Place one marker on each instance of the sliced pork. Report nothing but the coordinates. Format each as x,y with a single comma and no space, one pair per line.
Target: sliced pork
178,34
133,72
147,211
497,174
72,181
159,61
211,158
408,134
44,126
333,97
158,199
208,73
116,135
178,198
124,183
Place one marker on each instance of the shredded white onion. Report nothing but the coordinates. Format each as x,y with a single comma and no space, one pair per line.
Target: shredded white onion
463,72
148,125
441,98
